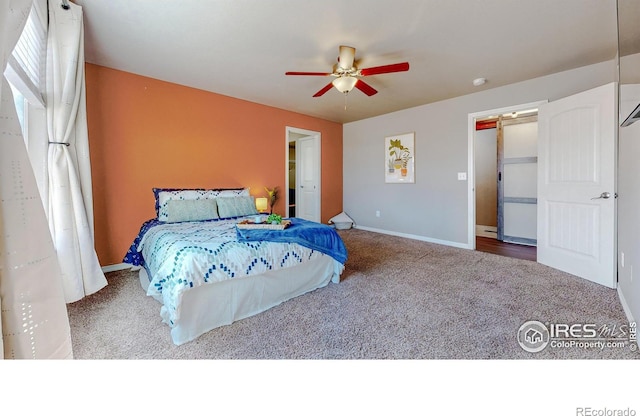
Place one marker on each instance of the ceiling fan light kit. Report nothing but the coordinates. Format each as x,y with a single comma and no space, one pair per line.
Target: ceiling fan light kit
348,77
345,83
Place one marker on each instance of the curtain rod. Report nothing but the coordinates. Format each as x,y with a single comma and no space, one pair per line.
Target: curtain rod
65,4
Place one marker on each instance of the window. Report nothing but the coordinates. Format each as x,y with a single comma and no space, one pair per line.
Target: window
26,66
26,73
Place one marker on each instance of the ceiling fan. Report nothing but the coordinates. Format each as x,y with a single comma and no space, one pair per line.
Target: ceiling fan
347,75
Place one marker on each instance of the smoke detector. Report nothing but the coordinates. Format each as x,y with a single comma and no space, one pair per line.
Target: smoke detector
479,81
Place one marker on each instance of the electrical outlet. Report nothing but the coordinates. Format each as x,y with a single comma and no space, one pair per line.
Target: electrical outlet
377,213
622,258
462,176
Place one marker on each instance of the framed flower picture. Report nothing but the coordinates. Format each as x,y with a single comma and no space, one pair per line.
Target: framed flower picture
399,164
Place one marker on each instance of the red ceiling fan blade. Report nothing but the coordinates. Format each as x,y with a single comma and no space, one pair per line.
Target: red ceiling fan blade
322,74
325,89
366,88
385,69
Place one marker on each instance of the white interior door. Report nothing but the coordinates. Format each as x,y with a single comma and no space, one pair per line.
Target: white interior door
308,178
576,185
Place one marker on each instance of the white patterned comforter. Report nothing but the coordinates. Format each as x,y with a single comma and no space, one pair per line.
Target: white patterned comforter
181,256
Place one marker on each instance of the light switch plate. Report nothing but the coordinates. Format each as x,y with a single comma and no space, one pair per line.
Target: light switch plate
462,176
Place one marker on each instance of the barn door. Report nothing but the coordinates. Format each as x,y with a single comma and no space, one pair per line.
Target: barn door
517,178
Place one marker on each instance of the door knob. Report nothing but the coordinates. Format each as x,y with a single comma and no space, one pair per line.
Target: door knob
604,195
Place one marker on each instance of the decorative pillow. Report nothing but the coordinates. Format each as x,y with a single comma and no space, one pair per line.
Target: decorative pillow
236,206
157,191
163,195
191,210
234,192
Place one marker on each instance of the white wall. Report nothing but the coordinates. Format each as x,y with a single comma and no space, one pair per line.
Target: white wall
629,204
630,69
435,207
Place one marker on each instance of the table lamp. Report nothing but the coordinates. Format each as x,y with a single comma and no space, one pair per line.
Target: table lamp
261,204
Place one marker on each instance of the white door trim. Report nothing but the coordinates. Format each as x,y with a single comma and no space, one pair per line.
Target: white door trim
471,154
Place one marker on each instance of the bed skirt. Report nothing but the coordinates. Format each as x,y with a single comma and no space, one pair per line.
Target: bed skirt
221,303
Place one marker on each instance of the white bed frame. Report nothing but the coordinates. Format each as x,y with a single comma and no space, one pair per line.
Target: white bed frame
221,303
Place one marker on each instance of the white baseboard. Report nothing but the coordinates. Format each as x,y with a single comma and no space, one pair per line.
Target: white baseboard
625,307
115,267
627,310
486,231
415,237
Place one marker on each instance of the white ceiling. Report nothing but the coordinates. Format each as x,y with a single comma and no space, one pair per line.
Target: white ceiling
242,48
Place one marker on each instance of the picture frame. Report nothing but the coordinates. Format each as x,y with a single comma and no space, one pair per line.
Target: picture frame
399,163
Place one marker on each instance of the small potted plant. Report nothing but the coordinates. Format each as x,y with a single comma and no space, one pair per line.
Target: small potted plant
396,150
405,161
390,165
273,197
274,219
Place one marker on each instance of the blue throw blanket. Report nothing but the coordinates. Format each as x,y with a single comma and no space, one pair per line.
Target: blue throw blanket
309,234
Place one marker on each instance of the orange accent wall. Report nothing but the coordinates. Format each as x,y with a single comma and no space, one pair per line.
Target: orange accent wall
146,133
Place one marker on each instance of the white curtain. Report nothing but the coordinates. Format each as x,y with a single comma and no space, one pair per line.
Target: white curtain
34,316
69,194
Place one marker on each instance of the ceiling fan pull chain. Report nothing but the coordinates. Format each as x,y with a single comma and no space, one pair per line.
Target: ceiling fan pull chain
345,101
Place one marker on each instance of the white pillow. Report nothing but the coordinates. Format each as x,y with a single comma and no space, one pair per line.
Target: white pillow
191,210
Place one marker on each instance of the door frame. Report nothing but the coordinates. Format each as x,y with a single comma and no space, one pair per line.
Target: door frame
471,160
302,133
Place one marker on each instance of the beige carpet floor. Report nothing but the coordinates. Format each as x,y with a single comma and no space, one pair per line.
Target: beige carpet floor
398,299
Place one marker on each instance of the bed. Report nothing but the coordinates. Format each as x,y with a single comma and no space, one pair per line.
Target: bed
206,272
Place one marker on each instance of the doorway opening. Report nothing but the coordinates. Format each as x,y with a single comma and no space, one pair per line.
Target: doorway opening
503,183
302,174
